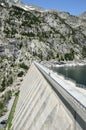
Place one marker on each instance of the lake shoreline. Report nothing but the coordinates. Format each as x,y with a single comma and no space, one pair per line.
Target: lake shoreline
72,71
70,64
65,63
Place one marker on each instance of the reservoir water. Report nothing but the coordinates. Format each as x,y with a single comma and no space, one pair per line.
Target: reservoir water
76,73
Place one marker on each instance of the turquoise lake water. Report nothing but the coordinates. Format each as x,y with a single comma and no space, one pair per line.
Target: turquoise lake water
76,73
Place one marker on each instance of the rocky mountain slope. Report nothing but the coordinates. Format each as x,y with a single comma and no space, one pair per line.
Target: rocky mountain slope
57,32
28,32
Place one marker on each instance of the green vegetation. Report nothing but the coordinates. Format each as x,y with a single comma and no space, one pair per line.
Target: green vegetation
1,108
9,123
3,102
22,65
10,81
20,74
2,86
50,55
84,51
69,56
6,82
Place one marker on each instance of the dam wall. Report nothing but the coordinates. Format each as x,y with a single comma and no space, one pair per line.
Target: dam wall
41,106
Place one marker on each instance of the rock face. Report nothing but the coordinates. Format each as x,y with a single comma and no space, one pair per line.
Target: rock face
61,34
8,1
28,32
83,15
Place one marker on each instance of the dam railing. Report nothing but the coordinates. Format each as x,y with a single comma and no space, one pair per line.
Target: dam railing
73,99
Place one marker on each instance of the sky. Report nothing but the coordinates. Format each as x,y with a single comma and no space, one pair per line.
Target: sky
74,7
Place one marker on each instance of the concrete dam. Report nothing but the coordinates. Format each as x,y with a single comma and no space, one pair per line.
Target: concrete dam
48,102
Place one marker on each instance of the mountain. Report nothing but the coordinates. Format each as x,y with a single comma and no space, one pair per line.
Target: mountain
30,33
8,1
83,15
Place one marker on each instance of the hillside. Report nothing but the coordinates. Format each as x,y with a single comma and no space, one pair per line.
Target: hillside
30,33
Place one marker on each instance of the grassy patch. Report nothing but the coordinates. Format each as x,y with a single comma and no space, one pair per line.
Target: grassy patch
9,123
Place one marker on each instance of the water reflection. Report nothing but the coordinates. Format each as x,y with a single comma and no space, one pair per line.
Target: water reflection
77,73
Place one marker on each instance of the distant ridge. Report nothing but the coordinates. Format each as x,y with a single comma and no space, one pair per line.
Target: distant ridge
83,15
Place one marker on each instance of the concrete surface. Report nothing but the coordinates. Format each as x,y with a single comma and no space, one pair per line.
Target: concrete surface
38,107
